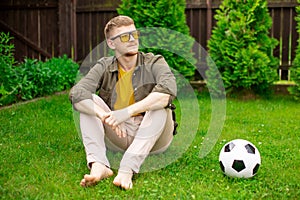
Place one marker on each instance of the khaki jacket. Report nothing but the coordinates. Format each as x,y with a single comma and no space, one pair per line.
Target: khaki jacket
152,74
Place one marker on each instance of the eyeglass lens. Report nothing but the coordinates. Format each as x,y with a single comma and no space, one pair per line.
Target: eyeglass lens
126,36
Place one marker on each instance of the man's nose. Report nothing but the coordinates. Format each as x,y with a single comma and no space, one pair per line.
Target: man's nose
131,38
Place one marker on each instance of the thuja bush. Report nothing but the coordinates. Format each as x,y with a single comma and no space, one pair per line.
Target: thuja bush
163,31
241,47
32,78
295,69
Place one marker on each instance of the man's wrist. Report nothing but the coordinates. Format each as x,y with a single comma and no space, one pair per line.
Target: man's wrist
130,111
101,116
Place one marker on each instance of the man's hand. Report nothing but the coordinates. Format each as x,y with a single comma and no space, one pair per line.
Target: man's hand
102,115
120,130
117,117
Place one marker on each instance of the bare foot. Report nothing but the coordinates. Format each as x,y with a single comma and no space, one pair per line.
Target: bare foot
123,180
98,172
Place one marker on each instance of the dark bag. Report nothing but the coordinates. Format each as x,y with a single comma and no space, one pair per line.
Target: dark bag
173,107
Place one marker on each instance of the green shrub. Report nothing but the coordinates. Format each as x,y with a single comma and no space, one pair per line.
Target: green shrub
7,73
6,49
164,31
39,78
32,78
295,69
63,73
241,48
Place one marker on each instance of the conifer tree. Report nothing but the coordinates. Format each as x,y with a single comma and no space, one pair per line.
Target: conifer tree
163,31
241,47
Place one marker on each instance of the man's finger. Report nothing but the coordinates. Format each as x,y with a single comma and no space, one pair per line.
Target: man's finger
109,120
105,116
124,134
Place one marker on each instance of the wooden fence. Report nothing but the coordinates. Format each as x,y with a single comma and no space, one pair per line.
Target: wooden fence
43,29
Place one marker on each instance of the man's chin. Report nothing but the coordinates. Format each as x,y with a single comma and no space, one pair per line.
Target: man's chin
129,54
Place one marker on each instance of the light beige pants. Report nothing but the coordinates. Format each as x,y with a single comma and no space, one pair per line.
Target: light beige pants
151,133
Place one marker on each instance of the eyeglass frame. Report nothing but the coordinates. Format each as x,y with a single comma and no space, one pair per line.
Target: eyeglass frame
129,33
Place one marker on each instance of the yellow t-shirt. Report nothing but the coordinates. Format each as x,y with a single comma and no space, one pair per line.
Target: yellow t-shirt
124,89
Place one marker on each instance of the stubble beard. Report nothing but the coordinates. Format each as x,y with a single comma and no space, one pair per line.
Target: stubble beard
130,54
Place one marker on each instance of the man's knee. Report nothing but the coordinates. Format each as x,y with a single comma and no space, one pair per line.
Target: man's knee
166,137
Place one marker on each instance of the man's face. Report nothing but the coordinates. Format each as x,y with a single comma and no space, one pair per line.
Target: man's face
122,48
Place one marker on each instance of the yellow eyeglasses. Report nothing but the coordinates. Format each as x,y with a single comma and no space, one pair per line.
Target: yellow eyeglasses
125,37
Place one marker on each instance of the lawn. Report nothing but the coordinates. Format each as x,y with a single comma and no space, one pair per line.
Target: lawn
42,156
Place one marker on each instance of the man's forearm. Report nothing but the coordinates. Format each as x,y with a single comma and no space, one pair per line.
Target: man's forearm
88,106
154,101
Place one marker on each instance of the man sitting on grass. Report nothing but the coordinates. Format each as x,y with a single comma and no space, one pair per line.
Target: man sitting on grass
124,105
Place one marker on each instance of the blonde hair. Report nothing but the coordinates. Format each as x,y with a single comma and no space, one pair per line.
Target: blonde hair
117,22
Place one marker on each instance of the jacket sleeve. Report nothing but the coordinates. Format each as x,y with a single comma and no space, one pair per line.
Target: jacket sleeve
87,86
165,79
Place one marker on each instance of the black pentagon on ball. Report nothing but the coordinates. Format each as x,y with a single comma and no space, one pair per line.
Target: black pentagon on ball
229,147
250,148
222,166
238,165
255,169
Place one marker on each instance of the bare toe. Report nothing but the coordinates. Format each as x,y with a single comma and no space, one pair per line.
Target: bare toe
90,180
98,172
123,180
82,183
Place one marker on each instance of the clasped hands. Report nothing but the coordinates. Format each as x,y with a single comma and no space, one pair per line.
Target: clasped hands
115,120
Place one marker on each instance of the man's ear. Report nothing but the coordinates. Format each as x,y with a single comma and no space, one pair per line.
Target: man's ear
110,44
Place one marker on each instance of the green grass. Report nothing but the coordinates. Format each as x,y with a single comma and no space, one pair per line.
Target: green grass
42,156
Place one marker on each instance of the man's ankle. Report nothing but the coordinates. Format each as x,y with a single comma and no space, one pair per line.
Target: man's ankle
125,170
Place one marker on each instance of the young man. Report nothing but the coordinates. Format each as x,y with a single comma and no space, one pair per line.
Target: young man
123,103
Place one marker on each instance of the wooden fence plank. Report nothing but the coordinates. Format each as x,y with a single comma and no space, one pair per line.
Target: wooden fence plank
33,31
286,27
21,48
276,29
64,27
80,33
73,30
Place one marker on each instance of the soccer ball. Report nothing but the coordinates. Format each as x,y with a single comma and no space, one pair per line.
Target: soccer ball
239,158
